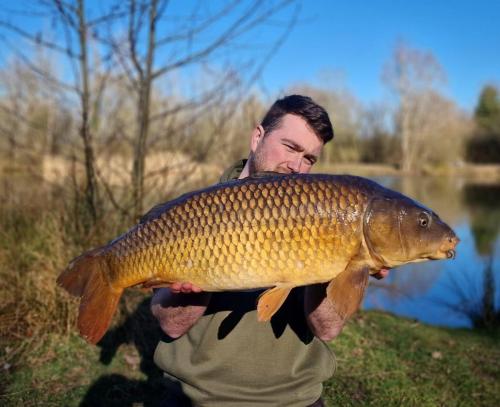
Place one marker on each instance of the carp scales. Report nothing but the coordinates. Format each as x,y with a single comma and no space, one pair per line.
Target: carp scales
270,231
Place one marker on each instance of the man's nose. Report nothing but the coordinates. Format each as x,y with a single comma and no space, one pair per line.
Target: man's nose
294,164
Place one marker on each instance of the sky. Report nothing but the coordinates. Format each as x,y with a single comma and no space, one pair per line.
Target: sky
349,42
353,39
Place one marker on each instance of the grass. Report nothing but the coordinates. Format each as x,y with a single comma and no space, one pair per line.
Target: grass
67,371
383,360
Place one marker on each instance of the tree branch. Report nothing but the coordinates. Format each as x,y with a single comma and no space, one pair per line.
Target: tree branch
37,40
133,29
221,40
41,73
198,29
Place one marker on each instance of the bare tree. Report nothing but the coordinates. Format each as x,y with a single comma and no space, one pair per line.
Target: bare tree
84,93
186,73
72,43
440,130
411,75
378,143
345,112
28,114
201,38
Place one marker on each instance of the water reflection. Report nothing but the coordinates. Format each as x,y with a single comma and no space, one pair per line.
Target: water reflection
483,204
464,292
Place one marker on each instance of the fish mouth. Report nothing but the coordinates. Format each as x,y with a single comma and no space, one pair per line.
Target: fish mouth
450,254
447,250
441,255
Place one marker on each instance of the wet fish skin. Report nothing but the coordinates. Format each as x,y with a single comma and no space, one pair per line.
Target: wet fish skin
262,231
243,235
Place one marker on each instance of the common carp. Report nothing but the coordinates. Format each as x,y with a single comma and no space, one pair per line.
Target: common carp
266,231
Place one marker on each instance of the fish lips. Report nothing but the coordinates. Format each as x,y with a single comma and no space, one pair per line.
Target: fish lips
447,250
441,255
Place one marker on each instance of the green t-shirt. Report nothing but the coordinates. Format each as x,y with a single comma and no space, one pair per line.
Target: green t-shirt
228,358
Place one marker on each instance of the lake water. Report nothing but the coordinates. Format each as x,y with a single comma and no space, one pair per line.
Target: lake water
448,292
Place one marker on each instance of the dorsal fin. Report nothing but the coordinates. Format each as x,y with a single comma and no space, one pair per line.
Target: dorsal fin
265,174
154,212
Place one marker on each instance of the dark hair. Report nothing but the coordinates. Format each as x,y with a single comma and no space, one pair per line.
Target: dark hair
303,106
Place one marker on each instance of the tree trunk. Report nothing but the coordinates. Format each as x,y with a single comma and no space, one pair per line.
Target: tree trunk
91,195
406,164
144,100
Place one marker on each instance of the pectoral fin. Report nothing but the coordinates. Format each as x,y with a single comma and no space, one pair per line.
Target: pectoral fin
270,301
347,289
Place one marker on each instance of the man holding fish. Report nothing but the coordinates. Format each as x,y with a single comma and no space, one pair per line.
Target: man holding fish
271,226
216,352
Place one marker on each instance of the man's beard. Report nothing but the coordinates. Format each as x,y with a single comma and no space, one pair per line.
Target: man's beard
255,163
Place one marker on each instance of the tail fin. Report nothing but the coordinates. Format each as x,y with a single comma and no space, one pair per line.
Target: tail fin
87,277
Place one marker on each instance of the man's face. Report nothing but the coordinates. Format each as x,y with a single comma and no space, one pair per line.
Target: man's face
291,148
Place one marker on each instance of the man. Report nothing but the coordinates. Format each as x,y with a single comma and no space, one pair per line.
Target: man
216,351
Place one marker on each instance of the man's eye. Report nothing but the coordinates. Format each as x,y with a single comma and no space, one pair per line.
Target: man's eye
310,160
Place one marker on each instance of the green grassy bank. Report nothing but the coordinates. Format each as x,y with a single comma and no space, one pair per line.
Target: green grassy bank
382,360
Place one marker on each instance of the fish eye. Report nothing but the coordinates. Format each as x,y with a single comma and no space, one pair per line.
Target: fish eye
424,220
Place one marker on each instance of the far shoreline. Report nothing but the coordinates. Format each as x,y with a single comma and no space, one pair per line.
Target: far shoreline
483,173
54,168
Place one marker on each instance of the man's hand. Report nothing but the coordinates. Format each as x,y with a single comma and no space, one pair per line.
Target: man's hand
383,273
185,288
178,312
321,316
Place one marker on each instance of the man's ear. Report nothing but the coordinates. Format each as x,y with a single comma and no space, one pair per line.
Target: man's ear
257,136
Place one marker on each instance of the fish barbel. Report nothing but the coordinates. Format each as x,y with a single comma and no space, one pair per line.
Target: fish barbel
269,230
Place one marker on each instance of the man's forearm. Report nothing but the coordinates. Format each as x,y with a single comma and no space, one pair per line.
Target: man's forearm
177,313
321,316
